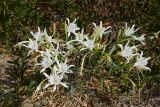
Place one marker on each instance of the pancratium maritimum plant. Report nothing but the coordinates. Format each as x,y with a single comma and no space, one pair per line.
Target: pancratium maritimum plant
38,35
140,39
46,63
129,31
54,79
63,67
100,30
71,27
57,54
141,62
127,51
88,43
31,44
48,51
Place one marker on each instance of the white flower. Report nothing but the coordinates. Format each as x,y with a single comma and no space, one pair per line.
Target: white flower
63,67
54,79
38,35
33,45
127,51
130,31
141,39
46,53
89,43
45,63
142,62
79,37
71,27
100,30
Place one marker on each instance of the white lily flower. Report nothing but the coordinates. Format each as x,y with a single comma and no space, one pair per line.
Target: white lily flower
63,67
89,43
53,80
45,63
33,45
100,30
71,27
38,35
127,52
140,39
129,31
142,62
79,37
46,53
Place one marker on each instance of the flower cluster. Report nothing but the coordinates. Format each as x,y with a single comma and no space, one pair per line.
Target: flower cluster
49,53
88,41
130,52
129,32
54,56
